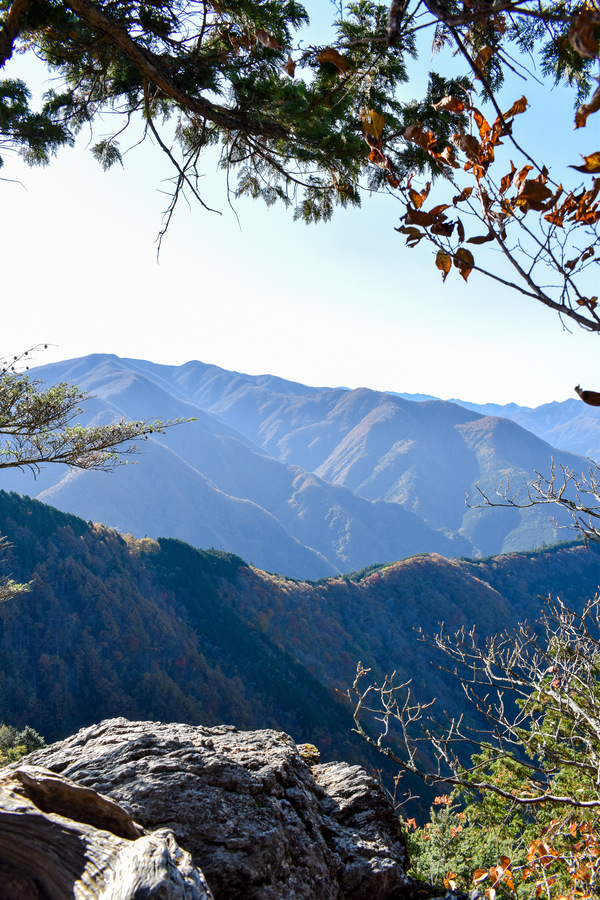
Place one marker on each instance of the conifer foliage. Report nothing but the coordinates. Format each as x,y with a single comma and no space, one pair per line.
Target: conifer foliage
314,125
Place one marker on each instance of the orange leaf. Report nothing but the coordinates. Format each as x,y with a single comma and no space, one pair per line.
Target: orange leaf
447,156
267,40
450,103
591,163
518,107
290,67
587,108
415,133
464,262
330,54
482,124
483,58
438,209
464,195
479,875
533,195
467,143
377,123
507,179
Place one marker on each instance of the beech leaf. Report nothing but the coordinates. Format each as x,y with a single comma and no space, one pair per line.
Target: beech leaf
330,54
464,195
267,40
587,109
450,103
448,157
377,123
481,238
507,179
290,67
415,133
464,262
518,107
444,263
468,143
591,163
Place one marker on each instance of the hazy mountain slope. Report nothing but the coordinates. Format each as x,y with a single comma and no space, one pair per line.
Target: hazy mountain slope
205,483
303,480
570,425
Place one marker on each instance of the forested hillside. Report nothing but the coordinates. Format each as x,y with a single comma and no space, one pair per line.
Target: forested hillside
144,629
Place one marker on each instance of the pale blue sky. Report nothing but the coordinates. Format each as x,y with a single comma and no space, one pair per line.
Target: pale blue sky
339,304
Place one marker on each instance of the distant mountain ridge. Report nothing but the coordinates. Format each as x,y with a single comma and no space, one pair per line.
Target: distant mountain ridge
568,424
300,480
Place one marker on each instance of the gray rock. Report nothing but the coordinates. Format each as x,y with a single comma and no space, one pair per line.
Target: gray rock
259,822
59,840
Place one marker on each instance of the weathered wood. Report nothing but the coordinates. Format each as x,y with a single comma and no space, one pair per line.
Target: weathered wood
60,840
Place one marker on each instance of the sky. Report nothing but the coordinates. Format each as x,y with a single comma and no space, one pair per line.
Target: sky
341,303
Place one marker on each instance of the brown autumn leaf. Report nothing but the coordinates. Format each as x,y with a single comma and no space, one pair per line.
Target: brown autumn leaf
522,174
450,103
444,229
461,230
290,67
481,238
519,106
267,40
444,263
586,109
464,262
468,143
414,235
375,126
416,198
582,34
483,57
448,158
464,195
533,195
330,54
418,217
438,209
482,124
508,179
415,133
591,163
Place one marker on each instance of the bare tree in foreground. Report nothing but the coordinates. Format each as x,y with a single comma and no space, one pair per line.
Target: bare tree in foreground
536,692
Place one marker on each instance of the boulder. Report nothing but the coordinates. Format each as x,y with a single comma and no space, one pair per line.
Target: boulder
60,840
258,821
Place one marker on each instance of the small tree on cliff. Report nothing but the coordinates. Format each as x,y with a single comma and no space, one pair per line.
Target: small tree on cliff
38,426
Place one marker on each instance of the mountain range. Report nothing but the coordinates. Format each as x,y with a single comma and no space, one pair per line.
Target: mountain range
307,481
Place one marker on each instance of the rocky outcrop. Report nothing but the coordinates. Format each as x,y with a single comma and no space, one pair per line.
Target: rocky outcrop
256,818
60,840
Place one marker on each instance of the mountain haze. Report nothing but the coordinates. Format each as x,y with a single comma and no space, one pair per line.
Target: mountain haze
305,481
